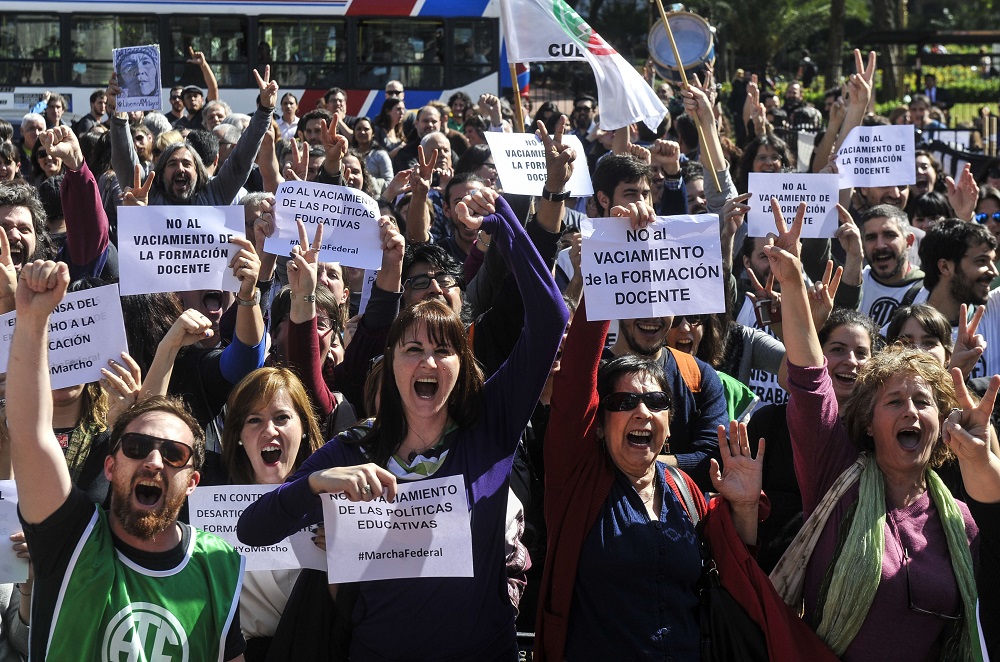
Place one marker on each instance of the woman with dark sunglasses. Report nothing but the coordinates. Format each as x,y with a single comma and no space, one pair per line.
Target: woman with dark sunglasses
623,557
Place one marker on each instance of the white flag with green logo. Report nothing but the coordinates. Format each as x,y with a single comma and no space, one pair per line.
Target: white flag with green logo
547,30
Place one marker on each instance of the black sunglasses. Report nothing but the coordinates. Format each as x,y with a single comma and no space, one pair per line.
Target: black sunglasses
175,98
693,320
982,218
138,446
423,281
655,401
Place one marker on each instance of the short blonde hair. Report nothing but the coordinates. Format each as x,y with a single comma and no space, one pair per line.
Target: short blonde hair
895,360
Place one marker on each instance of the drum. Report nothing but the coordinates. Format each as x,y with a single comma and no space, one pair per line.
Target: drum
695,44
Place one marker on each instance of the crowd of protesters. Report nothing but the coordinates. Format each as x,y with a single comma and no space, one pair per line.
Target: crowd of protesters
843,443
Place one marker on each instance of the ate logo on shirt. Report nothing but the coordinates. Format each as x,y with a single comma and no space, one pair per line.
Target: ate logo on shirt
882,310
144,631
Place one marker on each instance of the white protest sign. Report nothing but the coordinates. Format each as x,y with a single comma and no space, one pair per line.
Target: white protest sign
177,249
877,156
425,532
85,330
520,163
348,216
673,267
819,192
138,69
366,289
217,509
12,569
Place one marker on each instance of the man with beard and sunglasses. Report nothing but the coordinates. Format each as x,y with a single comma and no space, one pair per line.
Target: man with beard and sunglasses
132,581
889,280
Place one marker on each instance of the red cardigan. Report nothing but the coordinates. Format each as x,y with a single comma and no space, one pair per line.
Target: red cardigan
578,479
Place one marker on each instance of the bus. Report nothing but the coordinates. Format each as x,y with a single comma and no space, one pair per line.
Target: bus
433,47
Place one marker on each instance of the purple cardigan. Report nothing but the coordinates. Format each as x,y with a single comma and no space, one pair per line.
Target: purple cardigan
822,451
447,618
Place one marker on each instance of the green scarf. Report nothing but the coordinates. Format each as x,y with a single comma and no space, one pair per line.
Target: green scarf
849,587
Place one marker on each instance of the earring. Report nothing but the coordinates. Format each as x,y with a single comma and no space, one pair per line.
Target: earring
239,442
304,435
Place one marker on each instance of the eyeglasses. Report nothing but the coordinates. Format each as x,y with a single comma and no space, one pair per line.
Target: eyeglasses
175,97
655,401
909,594
982,218
138,446
693,320
423,281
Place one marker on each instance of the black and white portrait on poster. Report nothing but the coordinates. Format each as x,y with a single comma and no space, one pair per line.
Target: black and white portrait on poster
138,69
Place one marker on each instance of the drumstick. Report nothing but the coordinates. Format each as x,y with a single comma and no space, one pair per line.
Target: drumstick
684,81
518,110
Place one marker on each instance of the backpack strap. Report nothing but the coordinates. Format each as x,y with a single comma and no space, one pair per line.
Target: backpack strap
679,486
912,293
688,368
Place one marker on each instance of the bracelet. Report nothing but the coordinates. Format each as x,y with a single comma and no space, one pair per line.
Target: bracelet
251,302
18,586
479,239
562,196
308,298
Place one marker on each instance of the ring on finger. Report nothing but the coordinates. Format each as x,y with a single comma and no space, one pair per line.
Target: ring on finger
367,489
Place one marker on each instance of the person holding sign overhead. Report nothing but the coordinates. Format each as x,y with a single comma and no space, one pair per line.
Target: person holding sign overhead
437,418
180,176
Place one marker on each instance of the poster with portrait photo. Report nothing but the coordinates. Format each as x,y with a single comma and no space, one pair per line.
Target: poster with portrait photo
138,70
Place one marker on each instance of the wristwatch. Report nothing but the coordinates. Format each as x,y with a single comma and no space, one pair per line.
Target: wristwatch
249,302
555,197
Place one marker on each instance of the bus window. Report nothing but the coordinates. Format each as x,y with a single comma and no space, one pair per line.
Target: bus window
29,48
473,40
410,51
94,36
311,54
225,49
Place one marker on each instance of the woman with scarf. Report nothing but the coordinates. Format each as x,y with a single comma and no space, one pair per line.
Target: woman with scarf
893,568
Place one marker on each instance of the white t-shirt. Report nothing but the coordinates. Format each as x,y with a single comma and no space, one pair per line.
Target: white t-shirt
880,301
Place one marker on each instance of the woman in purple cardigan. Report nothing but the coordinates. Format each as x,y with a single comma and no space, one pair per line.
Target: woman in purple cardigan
437,418
893,569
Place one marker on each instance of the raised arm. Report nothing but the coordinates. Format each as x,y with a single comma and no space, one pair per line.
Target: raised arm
234,172
87,225
191,327
418,218
558,171
249,319
198,58
569,436
123,156
801,348
43,480
523,374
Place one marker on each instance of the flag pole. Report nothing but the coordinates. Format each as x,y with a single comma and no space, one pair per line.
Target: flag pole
518,110
684,81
